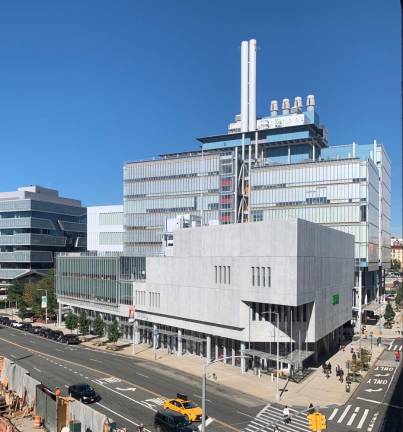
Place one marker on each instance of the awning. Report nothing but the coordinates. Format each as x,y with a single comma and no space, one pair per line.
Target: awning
294,358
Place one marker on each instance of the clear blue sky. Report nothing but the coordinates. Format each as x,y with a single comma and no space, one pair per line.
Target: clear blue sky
87,85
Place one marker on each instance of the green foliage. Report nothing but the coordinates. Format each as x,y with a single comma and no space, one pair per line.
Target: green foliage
15,292
98,326
113,332
71,321
83,323
395,264
399,295
22,311
389,313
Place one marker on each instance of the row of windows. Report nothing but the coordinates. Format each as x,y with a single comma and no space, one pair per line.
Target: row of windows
222,274
139,298
154,299
261,276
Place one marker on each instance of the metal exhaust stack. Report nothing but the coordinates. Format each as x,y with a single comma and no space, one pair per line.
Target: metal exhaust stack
244,85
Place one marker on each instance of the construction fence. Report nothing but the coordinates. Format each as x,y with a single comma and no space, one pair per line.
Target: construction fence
26,396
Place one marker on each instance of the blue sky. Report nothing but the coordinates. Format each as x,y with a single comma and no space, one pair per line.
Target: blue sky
87,85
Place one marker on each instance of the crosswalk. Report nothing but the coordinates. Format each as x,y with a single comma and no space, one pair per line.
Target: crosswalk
349,415
270,415
395,346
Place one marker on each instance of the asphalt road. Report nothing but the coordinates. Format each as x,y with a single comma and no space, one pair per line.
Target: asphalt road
131,389
377,404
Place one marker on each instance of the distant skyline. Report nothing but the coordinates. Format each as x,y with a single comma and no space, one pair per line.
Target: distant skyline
86,86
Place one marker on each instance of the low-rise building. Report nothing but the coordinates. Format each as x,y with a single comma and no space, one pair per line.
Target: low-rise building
221,291
396,253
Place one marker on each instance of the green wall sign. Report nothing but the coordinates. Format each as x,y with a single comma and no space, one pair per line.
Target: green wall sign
335,299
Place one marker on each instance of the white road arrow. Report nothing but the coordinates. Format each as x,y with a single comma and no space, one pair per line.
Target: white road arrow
381,375
126,389
373,390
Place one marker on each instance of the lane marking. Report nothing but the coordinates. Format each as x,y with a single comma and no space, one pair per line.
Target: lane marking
200,397
350,422
57,349
333,414
364,416
37,369
344,414
94,360
120,415
13,356
247,415
145,376
380,403
220,422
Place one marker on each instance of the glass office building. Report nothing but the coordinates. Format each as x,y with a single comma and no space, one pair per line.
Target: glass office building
36,223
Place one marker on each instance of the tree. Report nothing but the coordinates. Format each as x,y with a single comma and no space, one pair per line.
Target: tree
22,311
113,332
98,326
33,292
71,321
15,292
395,264
399,295
389,313
83,323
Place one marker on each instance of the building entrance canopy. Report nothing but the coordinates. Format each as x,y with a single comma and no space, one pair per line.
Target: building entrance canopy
294,358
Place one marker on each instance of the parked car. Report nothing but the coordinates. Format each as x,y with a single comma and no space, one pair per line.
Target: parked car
70,339
171,421
44,331
17,324
26,327
36,329
5,320
55,335
83,393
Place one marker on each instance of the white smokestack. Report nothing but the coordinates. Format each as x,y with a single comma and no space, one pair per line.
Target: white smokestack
285,106
310,102
273,108
252,85
244,85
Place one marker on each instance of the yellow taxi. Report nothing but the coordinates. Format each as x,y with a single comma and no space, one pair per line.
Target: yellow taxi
183,405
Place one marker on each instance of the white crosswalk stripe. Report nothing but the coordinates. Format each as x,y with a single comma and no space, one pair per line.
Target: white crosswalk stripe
354,417
393,347
271,415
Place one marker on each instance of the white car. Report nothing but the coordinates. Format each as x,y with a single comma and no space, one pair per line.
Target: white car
17,324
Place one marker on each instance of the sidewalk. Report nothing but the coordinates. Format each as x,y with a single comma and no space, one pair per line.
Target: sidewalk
316,388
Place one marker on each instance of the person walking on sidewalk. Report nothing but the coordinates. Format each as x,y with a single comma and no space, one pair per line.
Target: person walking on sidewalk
341,375
397,356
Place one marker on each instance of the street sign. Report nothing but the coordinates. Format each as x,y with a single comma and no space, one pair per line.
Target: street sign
44,302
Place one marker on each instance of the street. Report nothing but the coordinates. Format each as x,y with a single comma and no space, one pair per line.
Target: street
131,389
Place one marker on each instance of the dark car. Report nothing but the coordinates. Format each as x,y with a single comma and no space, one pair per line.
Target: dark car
83,392
26,327
167,421
36,329
44,331
5,320
70,339
55,335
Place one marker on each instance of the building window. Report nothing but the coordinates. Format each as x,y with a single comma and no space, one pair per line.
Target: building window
253,276
225,274
258,275
220,275
269,277
363,213
215,273
229,275
263,276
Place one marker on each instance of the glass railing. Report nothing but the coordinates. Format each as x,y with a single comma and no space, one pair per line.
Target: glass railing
26,256
32,239
26,222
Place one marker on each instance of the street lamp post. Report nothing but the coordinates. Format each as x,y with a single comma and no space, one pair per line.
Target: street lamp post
206,364
278,351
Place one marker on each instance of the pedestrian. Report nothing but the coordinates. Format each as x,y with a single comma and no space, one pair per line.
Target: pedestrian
276,429
337,370
311,408
352,350
397,356
286,414
327,373
324,367
341,375
329,366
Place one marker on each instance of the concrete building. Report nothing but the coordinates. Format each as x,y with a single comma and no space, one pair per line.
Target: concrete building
220,291
35,223
396,249
105,228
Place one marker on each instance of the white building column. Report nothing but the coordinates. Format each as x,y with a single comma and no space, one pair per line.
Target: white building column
225,351
155,337
208,348
216,348
179,353
243,360
233,353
